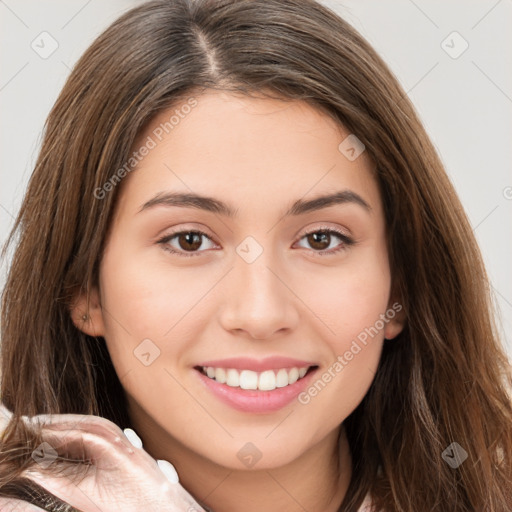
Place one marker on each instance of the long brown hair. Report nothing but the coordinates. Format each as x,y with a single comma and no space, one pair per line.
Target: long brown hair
444,379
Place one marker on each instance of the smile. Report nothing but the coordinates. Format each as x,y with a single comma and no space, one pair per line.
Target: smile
247,379
250,391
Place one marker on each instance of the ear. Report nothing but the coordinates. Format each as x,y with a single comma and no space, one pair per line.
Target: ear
396,319
87,314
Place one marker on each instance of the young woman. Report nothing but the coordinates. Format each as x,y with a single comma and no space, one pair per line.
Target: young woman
239,243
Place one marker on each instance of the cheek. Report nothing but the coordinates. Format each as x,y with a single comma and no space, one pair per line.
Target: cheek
350,303
148,302
350,299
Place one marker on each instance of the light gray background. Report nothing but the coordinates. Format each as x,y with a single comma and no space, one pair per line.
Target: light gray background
464,102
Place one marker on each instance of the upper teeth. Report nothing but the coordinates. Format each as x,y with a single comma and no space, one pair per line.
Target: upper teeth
247,379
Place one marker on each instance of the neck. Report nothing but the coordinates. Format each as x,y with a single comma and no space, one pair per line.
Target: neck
317,480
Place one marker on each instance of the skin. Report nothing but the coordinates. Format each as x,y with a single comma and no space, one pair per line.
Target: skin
259,156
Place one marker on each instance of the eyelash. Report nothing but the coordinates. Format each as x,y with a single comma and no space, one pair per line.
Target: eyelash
346,241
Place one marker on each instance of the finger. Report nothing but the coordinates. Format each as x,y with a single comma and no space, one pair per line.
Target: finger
75,420
82,445
88,423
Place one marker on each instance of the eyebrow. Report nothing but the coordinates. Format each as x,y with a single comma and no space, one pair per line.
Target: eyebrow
210,204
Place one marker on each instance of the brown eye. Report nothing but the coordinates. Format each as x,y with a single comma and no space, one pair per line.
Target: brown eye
190,241
321,239
187,242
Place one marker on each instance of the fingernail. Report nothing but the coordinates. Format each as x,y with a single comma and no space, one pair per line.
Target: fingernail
169,471
133,437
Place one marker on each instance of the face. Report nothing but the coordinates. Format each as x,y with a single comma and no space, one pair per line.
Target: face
250,283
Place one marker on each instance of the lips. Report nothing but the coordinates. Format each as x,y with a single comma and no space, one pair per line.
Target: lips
247,398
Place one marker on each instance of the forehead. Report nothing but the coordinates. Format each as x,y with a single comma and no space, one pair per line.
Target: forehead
247,151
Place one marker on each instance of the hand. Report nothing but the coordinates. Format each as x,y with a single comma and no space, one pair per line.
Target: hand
122,476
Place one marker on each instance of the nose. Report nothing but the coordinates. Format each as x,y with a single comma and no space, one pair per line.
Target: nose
259,301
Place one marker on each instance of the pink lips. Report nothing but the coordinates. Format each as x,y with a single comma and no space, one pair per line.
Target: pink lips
255,401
